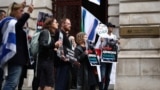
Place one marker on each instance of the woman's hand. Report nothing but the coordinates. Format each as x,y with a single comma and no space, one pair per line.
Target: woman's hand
58,44
102,39
30,9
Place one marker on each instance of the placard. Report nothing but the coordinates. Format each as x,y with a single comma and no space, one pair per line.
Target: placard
41,18
93,59
109,51
109,56
70,55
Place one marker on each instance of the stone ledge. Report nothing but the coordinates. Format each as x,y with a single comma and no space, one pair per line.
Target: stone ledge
140,43
136,7
137,83
146,54
139,19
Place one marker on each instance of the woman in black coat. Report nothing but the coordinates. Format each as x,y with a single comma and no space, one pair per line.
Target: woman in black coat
46,54
86,79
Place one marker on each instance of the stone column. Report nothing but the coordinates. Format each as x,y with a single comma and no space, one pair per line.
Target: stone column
139,58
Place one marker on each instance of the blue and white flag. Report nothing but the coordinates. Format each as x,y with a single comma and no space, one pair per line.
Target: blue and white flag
92,27
8,42
89,25
95,1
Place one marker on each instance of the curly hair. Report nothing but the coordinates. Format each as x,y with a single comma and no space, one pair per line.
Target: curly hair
80,37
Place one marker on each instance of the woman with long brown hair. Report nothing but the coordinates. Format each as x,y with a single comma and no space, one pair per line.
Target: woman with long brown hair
46,54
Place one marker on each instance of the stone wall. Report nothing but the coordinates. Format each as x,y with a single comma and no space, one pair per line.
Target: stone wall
138,65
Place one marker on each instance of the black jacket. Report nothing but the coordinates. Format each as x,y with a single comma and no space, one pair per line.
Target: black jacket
66,44
85,74
22,56
46,51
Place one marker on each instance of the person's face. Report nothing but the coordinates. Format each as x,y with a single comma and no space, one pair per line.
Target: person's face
110,29
3,15
85,37
72,39
55,24
67,25
18,13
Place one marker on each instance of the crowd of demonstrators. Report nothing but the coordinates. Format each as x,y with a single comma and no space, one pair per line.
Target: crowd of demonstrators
53,69
2,15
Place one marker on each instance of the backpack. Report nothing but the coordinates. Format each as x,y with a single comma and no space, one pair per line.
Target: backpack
34,45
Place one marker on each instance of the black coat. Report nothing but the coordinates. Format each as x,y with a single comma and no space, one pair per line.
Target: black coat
22,56
66,44
85,75
46,50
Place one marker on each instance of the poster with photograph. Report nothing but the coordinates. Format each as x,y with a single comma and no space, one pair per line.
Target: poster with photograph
41,18
109,51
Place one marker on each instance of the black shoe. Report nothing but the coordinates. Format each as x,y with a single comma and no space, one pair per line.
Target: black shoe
73,87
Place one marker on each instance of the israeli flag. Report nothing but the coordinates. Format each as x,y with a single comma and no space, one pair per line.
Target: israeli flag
8,42
95,1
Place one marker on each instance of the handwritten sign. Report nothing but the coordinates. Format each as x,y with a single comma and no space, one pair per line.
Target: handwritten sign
102,30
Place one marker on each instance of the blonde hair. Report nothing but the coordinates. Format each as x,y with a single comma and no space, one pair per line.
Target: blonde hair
80,38
13,7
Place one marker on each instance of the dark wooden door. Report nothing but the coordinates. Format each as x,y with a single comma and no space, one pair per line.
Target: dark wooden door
69,9
72,10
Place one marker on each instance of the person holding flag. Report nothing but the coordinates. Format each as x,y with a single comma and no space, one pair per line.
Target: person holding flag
13,48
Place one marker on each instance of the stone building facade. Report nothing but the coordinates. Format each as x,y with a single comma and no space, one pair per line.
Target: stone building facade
138,66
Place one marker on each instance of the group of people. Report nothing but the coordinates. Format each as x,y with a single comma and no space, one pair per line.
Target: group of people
52,68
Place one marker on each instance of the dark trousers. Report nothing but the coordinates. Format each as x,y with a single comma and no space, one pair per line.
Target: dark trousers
1,77
62,77
106,69
73,77
35,82
20,83
23,75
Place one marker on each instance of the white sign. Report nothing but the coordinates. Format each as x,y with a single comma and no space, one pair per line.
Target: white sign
102,30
